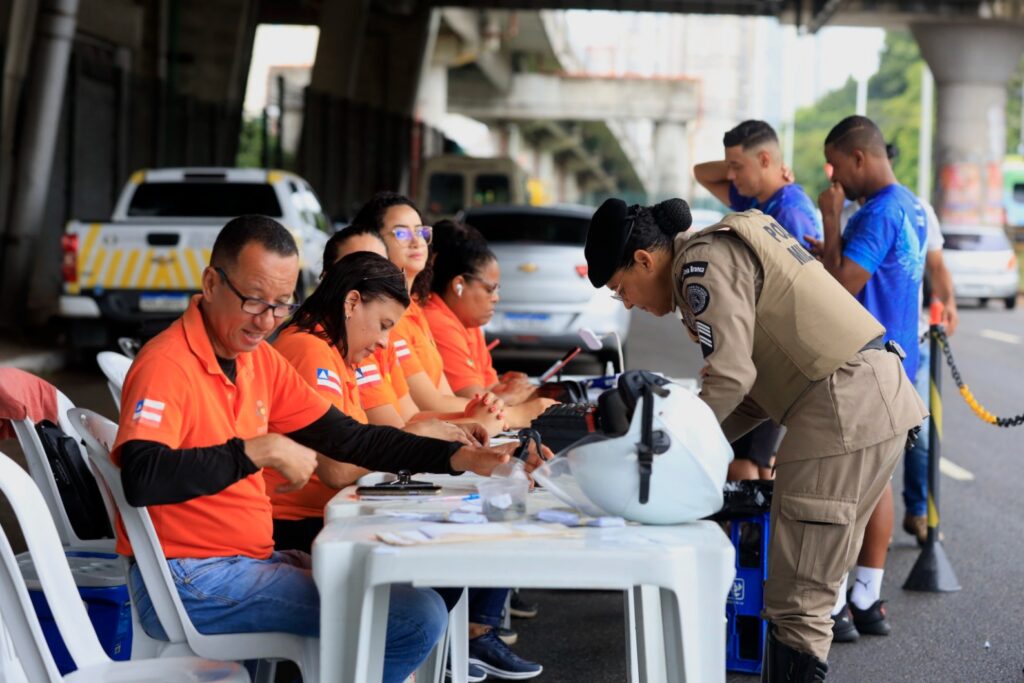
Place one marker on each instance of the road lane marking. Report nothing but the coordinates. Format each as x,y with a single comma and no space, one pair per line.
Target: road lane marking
954,471
1000,336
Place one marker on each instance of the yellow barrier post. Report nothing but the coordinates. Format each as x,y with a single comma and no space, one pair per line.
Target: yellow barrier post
932,571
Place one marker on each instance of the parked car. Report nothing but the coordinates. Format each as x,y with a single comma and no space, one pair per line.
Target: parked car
545,294
983,263
135,273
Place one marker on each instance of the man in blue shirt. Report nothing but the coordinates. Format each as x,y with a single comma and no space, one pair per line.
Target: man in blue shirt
880,260
753,176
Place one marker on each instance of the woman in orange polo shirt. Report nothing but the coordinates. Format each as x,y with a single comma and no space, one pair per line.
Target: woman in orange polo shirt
398,222
344,321
464,290
385,384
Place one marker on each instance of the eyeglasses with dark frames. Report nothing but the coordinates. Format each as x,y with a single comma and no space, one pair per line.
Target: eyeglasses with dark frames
491,287
254,306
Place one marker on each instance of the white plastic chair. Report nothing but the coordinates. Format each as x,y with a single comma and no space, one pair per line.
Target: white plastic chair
41,472
99,434
73,623
115,368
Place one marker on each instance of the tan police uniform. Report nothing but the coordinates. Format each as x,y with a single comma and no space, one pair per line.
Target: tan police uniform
783,340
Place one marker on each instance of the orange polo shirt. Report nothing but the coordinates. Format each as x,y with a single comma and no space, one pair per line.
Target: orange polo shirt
463,349
324,369
176,394
414,344
381,379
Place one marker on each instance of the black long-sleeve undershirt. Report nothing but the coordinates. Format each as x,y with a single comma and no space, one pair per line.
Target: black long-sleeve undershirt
152,473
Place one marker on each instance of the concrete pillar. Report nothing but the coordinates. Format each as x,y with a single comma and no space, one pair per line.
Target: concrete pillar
972,64
55,31
342,32
671,161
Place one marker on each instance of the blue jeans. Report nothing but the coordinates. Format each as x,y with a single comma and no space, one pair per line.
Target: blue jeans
915,460
245,595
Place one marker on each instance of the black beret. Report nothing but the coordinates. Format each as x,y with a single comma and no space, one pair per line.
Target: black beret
606,240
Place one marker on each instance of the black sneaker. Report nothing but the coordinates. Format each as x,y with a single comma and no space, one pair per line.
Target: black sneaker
474,674
507,635
843,630
497,660
873,621
520,609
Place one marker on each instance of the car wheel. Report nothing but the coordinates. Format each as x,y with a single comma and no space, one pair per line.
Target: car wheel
1011,302
982,302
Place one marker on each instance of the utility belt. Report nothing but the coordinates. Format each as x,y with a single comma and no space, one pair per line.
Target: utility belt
876,344
894,347
879,345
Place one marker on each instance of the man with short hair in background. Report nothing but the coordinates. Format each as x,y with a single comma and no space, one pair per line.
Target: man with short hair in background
753,176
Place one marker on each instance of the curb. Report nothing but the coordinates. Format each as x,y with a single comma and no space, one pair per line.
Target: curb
36,363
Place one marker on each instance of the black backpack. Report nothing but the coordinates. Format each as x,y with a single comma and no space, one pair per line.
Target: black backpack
75,483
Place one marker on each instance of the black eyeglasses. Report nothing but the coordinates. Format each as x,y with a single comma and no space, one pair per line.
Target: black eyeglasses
254,306
490,287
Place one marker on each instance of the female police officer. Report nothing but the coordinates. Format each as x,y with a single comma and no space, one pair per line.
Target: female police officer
783,341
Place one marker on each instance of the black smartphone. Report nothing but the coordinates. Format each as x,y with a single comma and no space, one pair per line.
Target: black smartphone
420,490
559,364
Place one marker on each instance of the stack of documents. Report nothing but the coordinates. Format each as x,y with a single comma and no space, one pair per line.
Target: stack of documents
433,533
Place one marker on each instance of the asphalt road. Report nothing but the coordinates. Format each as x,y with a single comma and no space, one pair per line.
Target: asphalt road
976,634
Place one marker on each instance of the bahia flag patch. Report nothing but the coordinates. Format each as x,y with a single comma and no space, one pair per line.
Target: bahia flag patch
149,412
368,375
328,379
402,349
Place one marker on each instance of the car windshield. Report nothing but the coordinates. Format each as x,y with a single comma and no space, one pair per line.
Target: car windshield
195,199
976,241
445,193
525,227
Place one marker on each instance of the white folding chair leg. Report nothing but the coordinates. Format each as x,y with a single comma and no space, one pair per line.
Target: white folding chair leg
458,628
265,670
433,667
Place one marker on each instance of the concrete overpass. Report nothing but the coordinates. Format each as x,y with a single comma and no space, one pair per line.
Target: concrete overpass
95,88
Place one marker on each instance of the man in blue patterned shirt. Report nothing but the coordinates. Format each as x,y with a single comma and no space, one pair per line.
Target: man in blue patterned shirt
880,260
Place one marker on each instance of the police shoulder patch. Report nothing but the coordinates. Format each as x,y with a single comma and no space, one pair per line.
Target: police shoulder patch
695,269
706,337
698,297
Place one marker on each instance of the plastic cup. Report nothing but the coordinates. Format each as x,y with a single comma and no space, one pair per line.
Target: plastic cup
503,498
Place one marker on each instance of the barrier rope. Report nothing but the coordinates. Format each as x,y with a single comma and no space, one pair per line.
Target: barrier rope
965,392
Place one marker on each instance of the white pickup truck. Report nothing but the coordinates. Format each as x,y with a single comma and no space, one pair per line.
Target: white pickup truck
135,274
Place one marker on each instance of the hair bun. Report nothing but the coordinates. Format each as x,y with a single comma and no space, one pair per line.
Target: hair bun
672,216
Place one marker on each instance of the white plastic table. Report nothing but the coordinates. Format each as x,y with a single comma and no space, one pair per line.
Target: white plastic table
690,566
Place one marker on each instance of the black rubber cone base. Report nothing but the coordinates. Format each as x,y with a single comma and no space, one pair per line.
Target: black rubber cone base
932,572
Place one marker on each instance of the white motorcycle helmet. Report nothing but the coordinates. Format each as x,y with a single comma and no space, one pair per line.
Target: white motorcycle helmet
662,457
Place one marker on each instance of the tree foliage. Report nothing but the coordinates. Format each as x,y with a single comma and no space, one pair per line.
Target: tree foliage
894,103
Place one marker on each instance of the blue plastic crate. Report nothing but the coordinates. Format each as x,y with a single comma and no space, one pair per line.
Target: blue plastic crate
746,630
101,583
